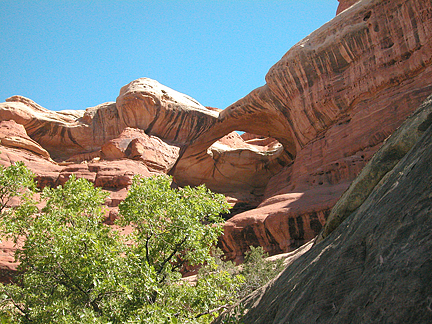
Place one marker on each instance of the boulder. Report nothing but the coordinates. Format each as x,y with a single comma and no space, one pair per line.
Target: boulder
14,135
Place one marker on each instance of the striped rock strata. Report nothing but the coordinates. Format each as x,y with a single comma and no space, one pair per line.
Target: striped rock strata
375,267
327,106
330,101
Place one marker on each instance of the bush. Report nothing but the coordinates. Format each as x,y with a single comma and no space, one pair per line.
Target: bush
75,269
257,270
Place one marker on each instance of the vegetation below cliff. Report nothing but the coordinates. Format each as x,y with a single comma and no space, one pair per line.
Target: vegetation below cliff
74,268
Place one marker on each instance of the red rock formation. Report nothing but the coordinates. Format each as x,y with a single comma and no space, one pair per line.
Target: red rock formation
326,107
375,267
158,110
14,135
331,101
137,145
64,134
345,4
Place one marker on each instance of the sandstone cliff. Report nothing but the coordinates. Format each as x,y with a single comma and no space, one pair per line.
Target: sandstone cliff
375,267
331,101
325,109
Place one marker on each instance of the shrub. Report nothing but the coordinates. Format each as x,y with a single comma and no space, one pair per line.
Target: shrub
75,269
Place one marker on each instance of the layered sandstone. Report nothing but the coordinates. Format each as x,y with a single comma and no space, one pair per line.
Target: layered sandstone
135,144
325,109
160,111
390,153
345,4
14,135
63,134
375,267
342,91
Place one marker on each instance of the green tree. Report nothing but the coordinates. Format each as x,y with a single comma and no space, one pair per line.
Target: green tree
16,181
172,226
70,260
74,268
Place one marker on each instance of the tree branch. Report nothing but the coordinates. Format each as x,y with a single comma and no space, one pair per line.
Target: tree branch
24,313
147,248
176,248
93,303
212,311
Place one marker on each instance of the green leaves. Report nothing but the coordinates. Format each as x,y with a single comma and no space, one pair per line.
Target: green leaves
67,261
75,269
15,181
172,226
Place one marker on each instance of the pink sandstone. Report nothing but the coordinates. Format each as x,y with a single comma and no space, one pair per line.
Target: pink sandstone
325,109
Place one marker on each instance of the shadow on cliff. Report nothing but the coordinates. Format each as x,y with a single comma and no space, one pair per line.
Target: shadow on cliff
375,266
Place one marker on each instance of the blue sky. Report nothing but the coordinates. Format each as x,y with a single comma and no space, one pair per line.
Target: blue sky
77,54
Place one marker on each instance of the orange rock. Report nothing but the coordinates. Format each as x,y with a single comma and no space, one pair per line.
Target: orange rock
67,133
333,99
14,135
325,109
345,4
160,111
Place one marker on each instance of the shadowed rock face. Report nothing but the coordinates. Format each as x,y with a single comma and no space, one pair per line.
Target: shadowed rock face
325,109
376,266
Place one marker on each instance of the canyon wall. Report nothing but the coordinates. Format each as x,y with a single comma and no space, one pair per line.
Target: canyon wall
375,267
325,109
343,90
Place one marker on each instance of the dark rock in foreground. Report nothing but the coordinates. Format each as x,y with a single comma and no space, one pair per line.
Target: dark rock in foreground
376,267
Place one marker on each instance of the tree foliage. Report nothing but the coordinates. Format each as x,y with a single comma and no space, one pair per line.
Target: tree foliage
257,270
170,225
16,181
75,269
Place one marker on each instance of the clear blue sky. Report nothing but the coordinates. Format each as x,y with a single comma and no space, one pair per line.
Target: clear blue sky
77,54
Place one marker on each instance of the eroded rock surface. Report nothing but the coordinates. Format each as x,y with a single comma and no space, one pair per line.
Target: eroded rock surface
135,144
15,136
160,111
67,133
325,109
332,99
345,4
393,149
374,268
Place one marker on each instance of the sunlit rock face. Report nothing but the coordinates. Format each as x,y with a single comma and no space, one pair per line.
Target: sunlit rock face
375,266
13,135
339,93
64,133
325,109
345,4
158,110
